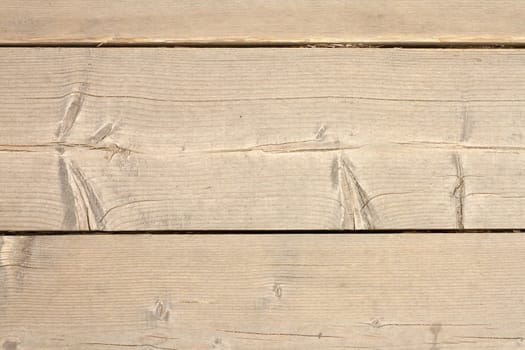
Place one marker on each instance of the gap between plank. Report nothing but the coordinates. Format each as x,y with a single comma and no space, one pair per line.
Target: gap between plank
275,44
262,232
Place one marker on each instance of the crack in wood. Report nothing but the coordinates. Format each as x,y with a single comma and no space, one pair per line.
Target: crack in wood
319,335
19,266
313,145
130,203
519,339
459,192
378,324
112,148
284,98
152,346
447,146
291,147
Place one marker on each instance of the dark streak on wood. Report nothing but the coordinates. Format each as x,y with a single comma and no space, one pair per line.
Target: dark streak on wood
71,113
77,192
70,221
435,329
467,123
102,133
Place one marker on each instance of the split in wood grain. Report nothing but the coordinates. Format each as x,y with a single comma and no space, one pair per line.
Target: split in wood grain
459,192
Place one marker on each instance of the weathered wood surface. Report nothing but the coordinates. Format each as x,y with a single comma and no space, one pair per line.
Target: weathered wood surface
400,292
130,139
261,21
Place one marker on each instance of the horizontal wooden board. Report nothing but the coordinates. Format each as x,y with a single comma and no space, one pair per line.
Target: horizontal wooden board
143,139
261,21
399,292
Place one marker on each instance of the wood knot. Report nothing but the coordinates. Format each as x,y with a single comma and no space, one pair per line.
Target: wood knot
10,345
277,290
375,323
219,344
160,312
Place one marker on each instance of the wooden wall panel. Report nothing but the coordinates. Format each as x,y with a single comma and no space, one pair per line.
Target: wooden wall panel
405,291
261,21
143,139
204,138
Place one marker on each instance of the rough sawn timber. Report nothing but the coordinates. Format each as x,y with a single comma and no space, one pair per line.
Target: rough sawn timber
262,292
144,138
233,22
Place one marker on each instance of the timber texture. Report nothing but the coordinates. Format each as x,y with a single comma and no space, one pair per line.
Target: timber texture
242,175
255,22
196,139
399,292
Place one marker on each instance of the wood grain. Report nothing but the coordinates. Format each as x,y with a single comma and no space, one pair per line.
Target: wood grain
261,21
400,292
131,139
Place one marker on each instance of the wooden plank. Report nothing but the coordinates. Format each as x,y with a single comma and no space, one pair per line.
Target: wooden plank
261,21
399,292
129,139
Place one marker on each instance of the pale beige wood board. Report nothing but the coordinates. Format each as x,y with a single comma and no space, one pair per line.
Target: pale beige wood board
400,292
261,21
130,139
